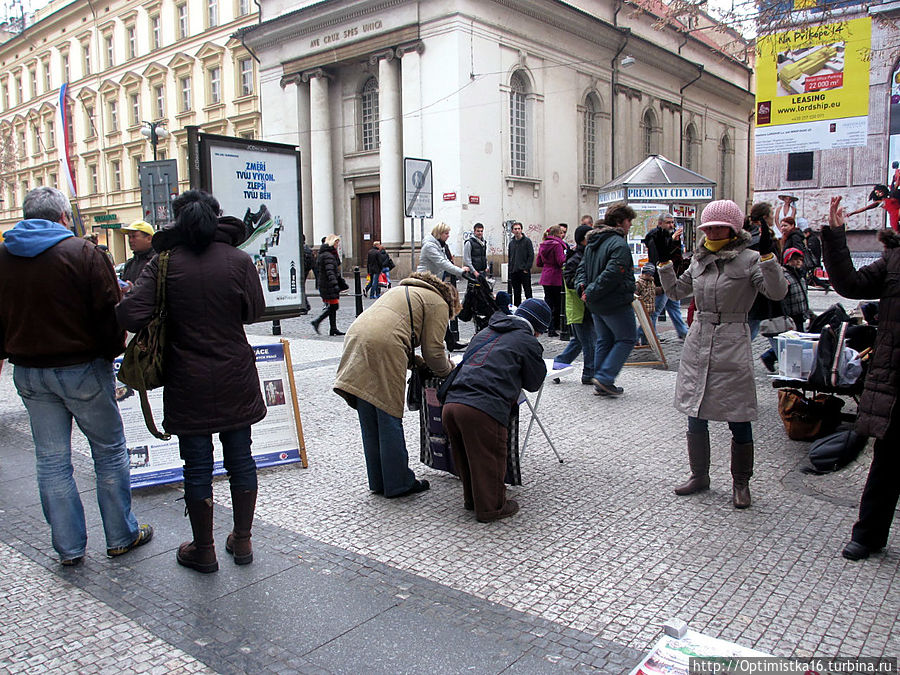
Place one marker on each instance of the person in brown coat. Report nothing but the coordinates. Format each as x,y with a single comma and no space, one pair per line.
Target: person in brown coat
211,383
715,377
372,374
877,415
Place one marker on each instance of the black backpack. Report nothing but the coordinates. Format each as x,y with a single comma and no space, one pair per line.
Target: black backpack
835,451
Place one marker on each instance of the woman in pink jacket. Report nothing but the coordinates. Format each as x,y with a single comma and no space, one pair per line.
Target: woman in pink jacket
551,258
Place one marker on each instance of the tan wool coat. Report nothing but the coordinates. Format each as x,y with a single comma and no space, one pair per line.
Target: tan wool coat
374,363
715,377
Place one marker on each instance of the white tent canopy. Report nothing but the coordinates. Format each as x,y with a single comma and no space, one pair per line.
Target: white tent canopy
658,179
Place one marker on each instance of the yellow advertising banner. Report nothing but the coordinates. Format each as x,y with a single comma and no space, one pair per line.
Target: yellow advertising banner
814,73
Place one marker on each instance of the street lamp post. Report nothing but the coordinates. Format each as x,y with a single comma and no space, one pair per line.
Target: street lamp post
156,132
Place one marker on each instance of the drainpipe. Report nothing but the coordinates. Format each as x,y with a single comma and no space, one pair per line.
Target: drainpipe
750,160
614,64
681,114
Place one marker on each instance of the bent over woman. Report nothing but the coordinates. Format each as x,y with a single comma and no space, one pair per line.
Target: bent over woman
715,377
211,383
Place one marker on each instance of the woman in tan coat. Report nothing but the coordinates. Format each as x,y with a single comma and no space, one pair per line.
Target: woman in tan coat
715,377
372,373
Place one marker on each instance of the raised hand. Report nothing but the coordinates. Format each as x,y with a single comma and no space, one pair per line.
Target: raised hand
836,213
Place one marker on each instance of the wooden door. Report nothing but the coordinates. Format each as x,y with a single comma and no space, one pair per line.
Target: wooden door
368,226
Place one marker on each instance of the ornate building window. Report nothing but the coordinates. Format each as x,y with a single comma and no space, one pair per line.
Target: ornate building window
726,153
369,115
591,126
519,131
650,134
691,161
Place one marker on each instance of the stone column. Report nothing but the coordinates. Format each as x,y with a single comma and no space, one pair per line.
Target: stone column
390,130
321,181
411,107
303,128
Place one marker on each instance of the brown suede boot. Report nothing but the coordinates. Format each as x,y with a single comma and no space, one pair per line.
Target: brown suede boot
698,457
741,470
243,504
199,554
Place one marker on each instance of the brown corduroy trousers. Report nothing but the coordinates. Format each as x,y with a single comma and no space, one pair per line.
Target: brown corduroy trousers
478,446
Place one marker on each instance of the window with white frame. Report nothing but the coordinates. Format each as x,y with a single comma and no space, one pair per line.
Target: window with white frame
22,148
134,100
369,115
115,170
155,32
131,39
90,129
518,125
52,182
159,92
35,139
215,84
649,134
20,95
243,7
113,107
182,11
32,82
590,129
45,74
86,58
93,183
185,93
136,169
51,134
212,13
245,69
64,67
109,51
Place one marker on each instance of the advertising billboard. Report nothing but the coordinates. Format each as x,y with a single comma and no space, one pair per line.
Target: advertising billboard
259,182
812,89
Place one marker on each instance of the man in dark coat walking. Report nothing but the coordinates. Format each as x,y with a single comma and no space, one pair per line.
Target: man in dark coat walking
520,259
877,414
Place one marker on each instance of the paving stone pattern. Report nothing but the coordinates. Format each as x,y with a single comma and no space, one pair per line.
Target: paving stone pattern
581,579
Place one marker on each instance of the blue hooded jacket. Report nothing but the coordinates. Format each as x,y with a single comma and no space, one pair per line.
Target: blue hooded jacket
30,238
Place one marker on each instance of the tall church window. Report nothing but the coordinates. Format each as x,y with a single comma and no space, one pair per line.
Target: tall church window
369,114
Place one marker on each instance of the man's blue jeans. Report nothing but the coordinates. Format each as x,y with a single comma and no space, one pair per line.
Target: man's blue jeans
616,335
85,392
197,454
665,304
387,462
583,341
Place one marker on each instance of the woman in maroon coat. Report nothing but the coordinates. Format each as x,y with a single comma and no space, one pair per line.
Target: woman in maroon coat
551,257
211,383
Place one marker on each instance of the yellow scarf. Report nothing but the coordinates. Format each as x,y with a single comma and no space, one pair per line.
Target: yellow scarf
716,244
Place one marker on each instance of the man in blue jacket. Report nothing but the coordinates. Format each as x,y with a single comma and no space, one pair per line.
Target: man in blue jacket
501,360
605,281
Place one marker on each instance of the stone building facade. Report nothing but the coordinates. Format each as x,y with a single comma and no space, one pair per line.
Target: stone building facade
525,108
125,62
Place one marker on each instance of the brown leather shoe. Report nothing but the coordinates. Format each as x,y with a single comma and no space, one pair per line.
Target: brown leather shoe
510,508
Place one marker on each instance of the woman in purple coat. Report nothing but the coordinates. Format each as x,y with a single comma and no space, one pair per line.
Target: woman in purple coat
551,257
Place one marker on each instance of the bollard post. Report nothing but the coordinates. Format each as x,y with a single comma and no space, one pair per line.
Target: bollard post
276,327
357,291
563,324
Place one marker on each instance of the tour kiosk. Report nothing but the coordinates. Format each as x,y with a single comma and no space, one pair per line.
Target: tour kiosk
653,186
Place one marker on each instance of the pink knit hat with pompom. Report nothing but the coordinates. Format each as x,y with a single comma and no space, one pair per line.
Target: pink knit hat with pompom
722,212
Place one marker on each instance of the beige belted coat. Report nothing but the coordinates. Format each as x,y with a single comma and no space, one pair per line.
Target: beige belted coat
715,377
374,363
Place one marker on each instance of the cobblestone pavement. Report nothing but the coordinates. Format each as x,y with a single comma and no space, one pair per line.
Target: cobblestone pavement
601,554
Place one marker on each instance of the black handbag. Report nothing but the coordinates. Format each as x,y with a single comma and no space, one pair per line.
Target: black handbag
414,385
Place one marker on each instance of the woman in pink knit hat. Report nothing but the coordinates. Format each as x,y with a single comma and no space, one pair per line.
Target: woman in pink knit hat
715,377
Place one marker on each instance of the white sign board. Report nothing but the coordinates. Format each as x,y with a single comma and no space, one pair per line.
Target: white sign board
849,132
417,191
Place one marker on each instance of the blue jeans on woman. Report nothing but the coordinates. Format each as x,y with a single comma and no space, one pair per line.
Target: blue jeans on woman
666,304
584,342
387,462
85,392
197,454
616,335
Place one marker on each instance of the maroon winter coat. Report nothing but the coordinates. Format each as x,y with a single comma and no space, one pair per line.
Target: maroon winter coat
211,383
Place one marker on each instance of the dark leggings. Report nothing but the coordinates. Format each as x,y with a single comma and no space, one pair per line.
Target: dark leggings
197,453
742,432
552,295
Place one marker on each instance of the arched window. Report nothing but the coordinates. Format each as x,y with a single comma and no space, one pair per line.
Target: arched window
650,133
591,129
725,175
690,148
518,125
369,114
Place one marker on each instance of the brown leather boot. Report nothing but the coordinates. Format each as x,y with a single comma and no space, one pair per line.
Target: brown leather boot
199,554
698,457
243,504
741,470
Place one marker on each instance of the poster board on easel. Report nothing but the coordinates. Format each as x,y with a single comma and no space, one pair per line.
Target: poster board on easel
650,334
277,438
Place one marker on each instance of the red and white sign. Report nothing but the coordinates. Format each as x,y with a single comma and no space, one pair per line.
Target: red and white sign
449,196
474,199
